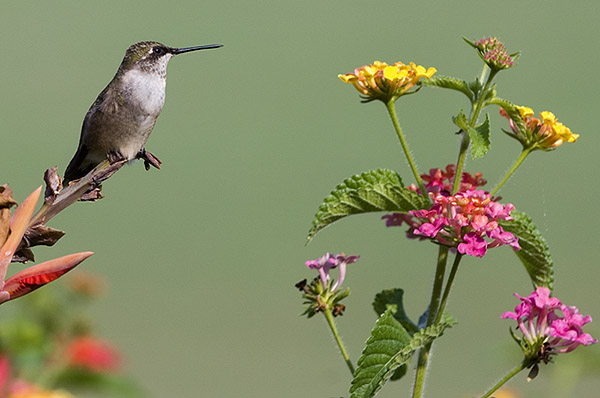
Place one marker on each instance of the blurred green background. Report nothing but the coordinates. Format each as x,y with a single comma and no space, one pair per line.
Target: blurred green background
201,256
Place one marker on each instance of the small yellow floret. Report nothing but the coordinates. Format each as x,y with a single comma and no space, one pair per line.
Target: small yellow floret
524,111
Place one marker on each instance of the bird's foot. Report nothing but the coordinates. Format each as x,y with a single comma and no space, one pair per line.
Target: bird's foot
115,156
149,159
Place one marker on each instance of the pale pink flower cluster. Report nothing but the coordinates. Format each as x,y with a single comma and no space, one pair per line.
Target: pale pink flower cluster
329,261
548,326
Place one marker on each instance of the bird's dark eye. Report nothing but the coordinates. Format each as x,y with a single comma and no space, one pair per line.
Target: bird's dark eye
158,50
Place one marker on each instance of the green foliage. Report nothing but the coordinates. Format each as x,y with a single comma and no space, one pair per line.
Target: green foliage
476,86
388,348
512,111
372,191
451,83
480,135
392,299
103,384
480,138
400,372
534,253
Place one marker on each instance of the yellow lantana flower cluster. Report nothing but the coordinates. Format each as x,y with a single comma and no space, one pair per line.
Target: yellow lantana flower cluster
380,81
545,133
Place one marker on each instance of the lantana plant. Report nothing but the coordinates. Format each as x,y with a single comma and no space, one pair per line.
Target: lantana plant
450,208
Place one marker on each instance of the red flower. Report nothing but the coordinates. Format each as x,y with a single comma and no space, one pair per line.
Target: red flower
31,278
93,354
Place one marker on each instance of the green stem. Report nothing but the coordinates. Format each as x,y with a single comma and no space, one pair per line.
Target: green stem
515,166
392,111
448,286
338,340
433,309
460,162
476,108
438,282
484,73
506,378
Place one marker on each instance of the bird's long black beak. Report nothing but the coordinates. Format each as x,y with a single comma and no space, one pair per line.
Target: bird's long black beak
176,51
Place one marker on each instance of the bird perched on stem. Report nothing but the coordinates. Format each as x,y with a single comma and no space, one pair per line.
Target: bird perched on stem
119,122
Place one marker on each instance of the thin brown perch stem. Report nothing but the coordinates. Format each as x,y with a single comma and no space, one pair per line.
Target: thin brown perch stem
56,201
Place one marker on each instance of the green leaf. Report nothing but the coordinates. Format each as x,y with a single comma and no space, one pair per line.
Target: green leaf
451,83
515,57
476,85
534,253
392,299
373,191
387,349
469,42
400,372
512,112
480,135
480,138
460,120
106,384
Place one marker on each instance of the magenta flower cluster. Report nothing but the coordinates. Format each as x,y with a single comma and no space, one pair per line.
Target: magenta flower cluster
467,221
494,53
440,181
545,331
329,261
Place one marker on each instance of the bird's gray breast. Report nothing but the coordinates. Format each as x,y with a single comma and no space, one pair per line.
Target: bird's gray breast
143,96
144,91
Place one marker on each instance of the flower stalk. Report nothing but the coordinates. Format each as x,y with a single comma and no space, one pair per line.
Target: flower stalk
392,112
506,378
324,294
515,166
424,352
338,339
476,108
448,287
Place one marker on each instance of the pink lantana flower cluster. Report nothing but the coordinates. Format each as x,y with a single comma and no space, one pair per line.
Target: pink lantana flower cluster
329,261
467,220
439,181
325,293
549,327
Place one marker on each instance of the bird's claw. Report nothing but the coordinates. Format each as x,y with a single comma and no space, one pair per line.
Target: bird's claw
115,156
149,159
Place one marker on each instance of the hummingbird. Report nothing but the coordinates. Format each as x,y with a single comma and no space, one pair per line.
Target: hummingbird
119,122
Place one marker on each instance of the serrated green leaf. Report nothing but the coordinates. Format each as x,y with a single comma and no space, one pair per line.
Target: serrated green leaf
392,299
512,111
480,135
451,83
490,93
480,138
476,85
372,191
388,348
534,253
460,120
